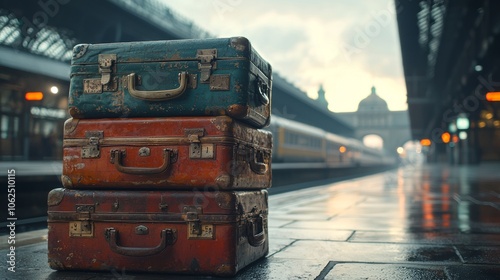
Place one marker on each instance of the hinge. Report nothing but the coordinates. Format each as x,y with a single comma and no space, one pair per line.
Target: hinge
92,149
207,63
107,64
82,227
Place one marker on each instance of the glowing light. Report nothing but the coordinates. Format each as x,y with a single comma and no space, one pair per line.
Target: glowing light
481,124
462,122
478,68
488,116
454,139
493,96
425,142
462,135
400,150
452,127
446,137
54,90
342,149
496,123
33,96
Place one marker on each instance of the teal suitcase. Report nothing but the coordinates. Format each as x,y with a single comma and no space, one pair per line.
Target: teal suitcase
195,77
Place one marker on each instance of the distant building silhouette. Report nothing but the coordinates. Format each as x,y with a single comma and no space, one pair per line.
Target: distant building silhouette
374,117
321,97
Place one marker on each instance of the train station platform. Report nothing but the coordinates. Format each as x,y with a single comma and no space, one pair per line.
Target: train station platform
415,222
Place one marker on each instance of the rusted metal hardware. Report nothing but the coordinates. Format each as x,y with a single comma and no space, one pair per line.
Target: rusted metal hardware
263,91
107,65
220,82
82,227
256,234
257,161
91,150
197,150
197,230
207,63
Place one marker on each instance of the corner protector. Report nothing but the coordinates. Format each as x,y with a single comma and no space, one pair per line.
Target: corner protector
55,197
240,43
66,181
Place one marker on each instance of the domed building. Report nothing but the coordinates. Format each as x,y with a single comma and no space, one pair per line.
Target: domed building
373,103
374,119
372,111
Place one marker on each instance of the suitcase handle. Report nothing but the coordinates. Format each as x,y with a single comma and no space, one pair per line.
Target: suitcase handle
168,237
157,95
256,239
117,157
262,89
257,167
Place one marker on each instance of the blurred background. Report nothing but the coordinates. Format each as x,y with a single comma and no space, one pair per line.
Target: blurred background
416,80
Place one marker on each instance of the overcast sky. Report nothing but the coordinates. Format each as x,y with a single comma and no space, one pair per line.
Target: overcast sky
346,45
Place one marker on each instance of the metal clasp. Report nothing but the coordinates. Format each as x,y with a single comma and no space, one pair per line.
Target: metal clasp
197,230
206,64
197,150
106,67
92,149
83,227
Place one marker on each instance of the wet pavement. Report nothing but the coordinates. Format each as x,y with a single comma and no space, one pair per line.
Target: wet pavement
417,222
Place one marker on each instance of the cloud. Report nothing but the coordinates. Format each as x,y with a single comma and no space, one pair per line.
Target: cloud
346,45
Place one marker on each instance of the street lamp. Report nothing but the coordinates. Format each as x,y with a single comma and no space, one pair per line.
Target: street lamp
462,122
462,125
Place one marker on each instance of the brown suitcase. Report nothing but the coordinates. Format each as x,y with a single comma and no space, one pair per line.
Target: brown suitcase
177,153
216,233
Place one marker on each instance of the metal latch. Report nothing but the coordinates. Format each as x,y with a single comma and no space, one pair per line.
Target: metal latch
82,227
107,64
92,149
197,230
206,64
197,150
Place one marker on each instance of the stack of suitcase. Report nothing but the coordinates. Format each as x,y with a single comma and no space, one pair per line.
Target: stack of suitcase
165,166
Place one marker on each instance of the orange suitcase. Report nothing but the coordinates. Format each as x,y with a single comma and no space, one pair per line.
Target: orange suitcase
210,233
183,153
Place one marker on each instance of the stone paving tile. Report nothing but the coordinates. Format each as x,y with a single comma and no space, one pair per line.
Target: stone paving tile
368,252
384,271
451,238
278,222
338,223
282,269
480,254
277,244
317,234
300,217
467,272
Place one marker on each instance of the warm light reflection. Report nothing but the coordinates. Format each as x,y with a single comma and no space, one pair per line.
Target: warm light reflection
445,188
481,124
401,195
342,149
427,208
